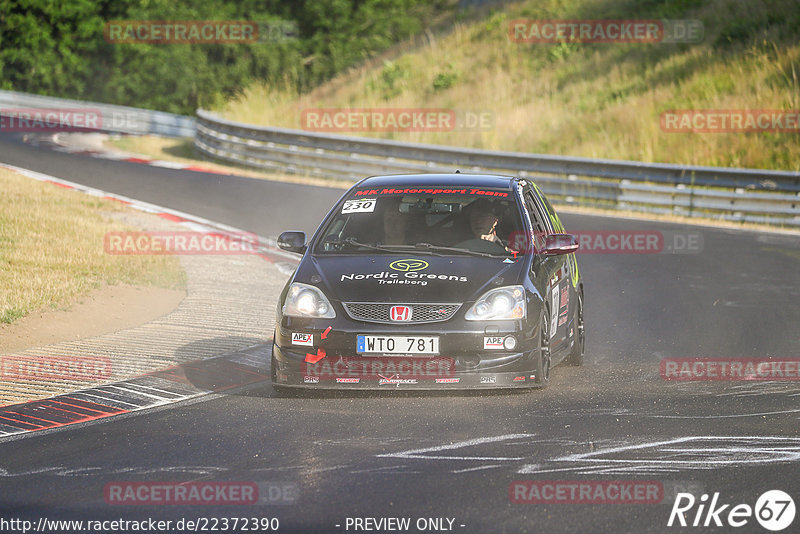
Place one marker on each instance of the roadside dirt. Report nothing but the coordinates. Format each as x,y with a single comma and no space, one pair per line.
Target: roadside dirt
102,311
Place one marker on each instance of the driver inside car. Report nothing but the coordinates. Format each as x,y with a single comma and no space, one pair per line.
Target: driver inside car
483,223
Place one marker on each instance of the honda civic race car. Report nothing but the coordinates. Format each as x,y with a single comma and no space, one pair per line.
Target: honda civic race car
431,281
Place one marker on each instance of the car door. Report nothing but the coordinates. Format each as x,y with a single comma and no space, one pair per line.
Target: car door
557,267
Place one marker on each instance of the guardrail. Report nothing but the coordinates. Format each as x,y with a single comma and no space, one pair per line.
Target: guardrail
118,119
749,195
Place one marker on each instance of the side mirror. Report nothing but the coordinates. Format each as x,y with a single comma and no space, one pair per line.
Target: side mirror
556,244
293,241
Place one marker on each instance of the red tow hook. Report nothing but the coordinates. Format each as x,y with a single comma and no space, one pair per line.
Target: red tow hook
314,358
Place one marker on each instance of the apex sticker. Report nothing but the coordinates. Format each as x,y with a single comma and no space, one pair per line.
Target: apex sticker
300,338
492,343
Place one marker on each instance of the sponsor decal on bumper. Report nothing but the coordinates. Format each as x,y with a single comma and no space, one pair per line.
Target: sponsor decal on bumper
492,343
347,380
305,340
392,380
372,368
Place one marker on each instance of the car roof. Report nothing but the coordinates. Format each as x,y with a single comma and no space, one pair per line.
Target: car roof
469,180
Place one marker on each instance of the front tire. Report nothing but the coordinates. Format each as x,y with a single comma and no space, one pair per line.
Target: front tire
273,371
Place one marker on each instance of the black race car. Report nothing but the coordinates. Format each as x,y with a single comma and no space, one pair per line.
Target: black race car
431,281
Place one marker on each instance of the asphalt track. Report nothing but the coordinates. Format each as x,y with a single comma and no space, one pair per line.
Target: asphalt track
402,454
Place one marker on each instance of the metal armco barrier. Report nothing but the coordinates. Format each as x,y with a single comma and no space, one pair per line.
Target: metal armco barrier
114,119
748,195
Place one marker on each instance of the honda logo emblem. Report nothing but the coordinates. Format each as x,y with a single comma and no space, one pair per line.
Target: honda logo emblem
400,313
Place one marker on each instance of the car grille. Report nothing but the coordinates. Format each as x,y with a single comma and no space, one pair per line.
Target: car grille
378,312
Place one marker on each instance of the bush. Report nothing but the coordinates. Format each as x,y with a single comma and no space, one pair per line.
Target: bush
58,49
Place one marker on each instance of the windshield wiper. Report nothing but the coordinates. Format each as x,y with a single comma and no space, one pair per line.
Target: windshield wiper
385,248
352,241
430,247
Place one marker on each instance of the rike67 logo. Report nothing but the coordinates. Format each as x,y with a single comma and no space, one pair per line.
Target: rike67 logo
774,510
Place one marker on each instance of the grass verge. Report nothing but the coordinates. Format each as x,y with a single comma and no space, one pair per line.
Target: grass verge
51,249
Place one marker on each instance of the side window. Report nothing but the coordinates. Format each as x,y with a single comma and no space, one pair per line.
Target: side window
551,213
539,228
559,228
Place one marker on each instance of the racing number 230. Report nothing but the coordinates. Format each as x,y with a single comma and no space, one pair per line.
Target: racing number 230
359,205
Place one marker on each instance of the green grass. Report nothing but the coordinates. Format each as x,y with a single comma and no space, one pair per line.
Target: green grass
10,315
51,249
590,100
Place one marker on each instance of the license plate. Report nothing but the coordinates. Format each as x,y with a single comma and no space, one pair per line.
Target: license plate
397,344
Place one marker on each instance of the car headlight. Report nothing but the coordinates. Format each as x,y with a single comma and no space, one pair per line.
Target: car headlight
501,303
304,300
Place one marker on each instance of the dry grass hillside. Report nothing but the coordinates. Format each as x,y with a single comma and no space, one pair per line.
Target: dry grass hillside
581,99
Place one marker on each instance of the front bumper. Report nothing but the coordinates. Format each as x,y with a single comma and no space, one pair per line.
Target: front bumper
328,358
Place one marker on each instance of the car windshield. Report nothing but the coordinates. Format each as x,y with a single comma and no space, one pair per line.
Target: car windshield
441,220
